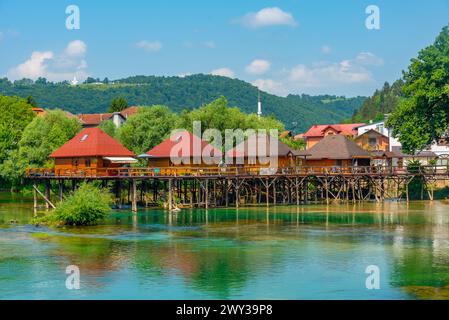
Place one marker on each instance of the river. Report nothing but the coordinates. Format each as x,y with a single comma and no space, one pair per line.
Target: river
310,252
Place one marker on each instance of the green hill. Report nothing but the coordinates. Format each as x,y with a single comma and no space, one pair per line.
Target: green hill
383,101
178,93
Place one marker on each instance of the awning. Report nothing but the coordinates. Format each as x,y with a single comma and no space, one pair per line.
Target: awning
121,160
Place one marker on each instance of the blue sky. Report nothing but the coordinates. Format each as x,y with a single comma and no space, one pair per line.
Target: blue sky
283,46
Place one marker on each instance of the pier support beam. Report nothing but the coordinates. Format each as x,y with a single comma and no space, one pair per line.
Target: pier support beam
134,196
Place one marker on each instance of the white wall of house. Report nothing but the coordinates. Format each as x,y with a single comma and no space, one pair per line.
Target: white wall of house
381,128
118,120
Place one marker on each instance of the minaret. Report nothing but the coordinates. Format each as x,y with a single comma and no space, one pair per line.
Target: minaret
259,107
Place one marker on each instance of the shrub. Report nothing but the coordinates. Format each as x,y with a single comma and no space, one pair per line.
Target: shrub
85,207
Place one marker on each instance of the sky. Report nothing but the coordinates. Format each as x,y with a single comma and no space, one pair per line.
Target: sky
282,46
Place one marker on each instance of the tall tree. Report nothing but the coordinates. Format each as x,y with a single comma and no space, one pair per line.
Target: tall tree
118,105
15,115
423,117
147,128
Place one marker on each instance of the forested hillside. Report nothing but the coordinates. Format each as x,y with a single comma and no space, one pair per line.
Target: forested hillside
383,102
178,93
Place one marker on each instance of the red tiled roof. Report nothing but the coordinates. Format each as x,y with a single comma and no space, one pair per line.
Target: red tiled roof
92,142
94,119
343,129
260,145
183,141
128,112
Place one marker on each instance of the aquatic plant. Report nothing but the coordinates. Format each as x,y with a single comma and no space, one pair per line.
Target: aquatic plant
84,207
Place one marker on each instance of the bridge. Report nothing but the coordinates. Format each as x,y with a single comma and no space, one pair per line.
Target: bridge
245,185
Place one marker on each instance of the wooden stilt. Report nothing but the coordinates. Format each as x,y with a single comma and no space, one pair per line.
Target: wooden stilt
134,195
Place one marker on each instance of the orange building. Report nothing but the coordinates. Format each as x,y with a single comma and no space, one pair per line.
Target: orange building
257,151
337,151
317,132
93,149
373,141
183,149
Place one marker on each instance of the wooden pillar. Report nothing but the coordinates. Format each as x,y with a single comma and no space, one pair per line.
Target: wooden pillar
297,191
274,192
47,193
170,195
35,198
61,190
206,194
237,193
268,191
134,195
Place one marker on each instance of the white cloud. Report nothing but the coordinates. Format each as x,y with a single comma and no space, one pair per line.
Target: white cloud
209,44
76,48
271,86
149,46
54,67
369,59
268,17
258,67
224,72
326,49
330,77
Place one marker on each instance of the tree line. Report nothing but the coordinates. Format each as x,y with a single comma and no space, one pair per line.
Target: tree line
26,141
297,112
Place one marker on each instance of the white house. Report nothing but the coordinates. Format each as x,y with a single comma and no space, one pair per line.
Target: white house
440,150
381,128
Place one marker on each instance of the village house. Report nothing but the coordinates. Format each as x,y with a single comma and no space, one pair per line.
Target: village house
183,149
118,118
91,149
335,151
318,132
257,151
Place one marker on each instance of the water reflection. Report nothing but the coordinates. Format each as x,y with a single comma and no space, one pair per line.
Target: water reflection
285,252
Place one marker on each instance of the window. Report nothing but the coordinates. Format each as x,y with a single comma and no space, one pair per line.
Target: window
75,162
84,138
372,142
339,163
87,163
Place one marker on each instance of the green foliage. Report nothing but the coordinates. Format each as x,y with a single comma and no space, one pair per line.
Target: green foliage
423,117
118,105
294,144
384,101
109,127
46,134
186,93
85,207
146,129
15,115
219,115
39,139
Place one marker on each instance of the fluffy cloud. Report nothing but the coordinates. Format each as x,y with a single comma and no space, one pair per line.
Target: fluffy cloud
224,72
369,59
271,86
321,77
54,67
268,17
149,46
258,67
76,48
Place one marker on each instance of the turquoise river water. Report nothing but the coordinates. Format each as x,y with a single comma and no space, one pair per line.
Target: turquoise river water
310,252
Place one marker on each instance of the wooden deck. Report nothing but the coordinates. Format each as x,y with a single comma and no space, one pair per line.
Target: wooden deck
248,171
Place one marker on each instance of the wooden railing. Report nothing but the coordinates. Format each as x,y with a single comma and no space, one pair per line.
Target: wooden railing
230,171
